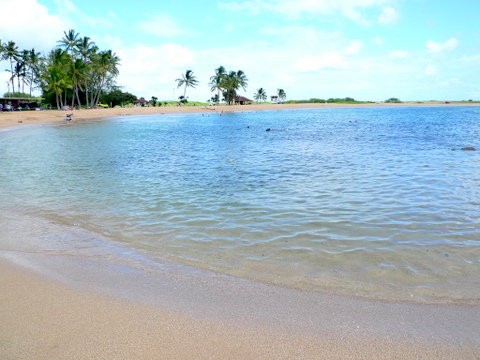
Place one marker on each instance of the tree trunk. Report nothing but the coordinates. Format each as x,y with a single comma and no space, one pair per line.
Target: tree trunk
78,97
13,77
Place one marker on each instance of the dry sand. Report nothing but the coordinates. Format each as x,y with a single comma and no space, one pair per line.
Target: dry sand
42,318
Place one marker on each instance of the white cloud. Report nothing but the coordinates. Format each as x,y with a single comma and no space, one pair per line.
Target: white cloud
388,16
67,9
153,68
161,25
437,47
431,70
33,26
295,8
332,60
353,48
378,40
399,54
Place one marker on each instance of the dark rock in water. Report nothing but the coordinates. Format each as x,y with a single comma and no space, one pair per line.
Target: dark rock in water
468,148
268,129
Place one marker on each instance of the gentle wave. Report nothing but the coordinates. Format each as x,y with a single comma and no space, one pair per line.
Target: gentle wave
381,203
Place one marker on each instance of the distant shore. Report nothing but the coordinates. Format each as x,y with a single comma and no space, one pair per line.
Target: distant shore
21,118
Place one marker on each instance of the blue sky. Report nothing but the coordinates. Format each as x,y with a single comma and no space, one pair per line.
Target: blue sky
365,49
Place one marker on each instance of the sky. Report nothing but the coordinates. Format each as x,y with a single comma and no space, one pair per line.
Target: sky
414,50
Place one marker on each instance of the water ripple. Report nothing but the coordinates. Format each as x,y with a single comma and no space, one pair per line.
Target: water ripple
371,202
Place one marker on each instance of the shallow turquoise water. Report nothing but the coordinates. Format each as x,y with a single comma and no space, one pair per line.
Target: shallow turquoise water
376,202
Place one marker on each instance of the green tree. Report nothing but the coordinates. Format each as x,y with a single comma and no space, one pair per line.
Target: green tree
32,60
55,76
75,71
69,43
87,51
232,82
216,81
19,73
187,80
260,95
281,95
10,52
104,71
153,101
393,100
116,97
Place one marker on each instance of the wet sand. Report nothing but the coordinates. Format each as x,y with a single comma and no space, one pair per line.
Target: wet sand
68,293
59,305
45,319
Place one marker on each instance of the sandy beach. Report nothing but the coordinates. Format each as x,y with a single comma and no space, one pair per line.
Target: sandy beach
58,306
45,319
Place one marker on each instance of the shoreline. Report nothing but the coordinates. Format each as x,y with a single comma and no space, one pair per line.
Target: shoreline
22,118
63,301
73,292
43,319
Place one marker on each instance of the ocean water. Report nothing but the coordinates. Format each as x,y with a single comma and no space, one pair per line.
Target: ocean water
381,203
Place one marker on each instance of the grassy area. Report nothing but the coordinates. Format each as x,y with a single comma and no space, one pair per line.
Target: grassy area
328,101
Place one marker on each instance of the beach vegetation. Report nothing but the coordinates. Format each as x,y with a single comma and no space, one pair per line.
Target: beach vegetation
153,101
55,77
116,97
19,94
393,100
215,99
10,53
281,95
32,60
345,100
260,95
232,83
227,84
186,80
216,83
75,73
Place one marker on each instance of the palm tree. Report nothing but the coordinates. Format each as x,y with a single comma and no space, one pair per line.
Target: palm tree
281,95
242,79
216,80
88,51
260,95
69,43
2,49
10,52
187,80
19,73
55,76
86,47
233,81
105,70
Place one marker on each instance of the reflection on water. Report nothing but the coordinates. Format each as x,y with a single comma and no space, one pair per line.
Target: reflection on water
374,202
